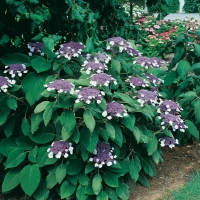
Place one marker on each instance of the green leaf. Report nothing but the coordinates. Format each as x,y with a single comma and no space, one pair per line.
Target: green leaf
11,179
12,103
61,172
16,58
110,130
111,193
35,122
97,183
51,181
110,179
15,157
80,194
4,112
42,156
5,39
152,145
143,180
192,129
136,133
83,178
195,66
32,154
89,120
182,68
48,113
10,126
89,167
40,107
89,45
30,178
24,143
123,191
25,127
148,167
38,37
74,167
67,189
196,105
68,120
7,145
128,122
197,49
170,78
33,85
42,192
134,168
40,64
102,196
125,98
89,140
116,65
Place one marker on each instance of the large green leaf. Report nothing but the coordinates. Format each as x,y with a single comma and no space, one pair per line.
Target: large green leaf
12,103
197,49
143,180
61,172
11,179
192,129
97,183
128,122
74,167
135,168
40,107
118,135
197,110
80,193
30,178
182,68
25,126
32,154
51,181
67,189
110,130
40,64
35,122
24,143
33,86
7,145
4,112
48,113
102,196
136,133
15,157
170,78
42,156
10,126
123,191
89,120
42,191
110,179
16,58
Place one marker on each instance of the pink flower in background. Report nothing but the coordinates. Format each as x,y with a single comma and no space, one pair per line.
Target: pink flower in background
156,26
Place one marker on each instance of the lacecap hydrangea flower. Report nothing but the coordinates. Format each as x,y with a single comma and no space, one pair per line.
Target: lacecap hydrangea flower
147,97
60,148
35,48
168,106
5,82
149,62
61,86
114,109
167,141
104,155
93,67
88,94
15,69
70,49
135,81
98,57
118,42
132,52
172,120
154,80
101,79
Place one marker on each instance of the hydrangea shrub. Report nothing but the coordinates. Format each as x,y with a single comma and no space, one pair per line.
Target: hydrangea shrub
80,125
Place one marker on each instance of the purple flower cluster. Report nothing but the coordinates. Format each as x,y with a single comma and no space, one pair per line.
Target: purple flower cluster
114,109
149,62
135,81
104,155
61,85
168,106
172,120
148,97
167,141
101,79
154,80
70,49
94,66
119,42
60,148
132,52
5,82
87,94
35,48
15,69
99,57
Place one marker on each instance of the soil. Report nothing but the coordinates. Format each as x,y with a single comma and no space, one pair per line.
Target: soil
172,174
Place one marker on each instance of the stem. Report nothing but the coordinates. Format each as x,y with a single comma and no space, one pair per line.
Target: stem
18,99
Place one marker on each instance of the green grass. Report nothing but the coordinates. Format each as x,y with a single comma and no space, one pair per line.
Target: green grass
191,191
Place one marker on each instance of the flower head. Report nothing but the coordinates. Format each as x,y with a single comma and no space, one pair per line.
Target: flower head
101,79
114,109
172,120
135,81
70,49
167,141
61,85
132,52
5,82
99,57
35,48
93,66
14,69
168,106
152,79
148,97
60,148
104,155
87,94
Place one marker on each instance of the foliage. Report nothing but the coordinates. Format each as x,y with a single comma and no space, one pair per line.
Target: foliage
191,6
173,6
58,21
58,99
